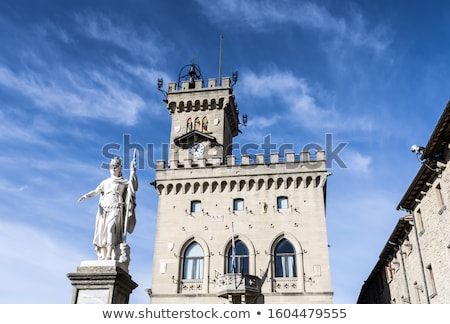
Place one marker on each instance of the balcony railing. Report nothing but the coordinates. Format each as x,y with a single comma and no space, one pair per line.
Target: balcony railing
191,286
285,285
238,284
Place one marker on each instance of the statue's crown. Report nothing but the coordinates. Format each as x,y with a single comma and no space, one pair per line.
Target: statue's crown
116,162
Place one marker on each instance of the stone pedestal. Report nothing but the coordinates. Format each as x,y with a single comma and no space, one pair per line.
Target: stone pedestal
101,282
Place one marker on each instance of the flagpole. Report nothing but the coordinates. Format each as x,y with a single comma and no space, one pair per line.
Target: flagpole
220,62
233,248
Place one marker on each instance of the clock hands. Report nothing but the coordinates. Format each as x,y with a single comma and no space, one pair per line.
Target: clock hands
196,149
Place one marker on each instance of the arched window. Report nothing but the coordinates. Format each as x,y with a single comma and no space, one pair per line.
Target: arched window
197,125
193,262
285,266
282,203
189,125
205,124
238,204
238,258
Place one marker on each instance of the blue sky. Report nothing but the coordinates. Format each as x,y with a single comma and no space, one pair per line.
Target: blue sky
78,75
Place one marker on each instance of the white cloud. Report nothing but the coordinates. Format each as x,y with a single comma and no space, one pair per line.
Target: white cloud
271,83
23,236
37,255
356,162
12,188
140,41
261,15
63,84
262,122
14,130
300,104
70,93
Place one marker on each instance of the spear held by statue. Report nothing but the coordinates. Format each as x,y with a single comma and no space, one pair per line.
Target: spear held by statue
130,201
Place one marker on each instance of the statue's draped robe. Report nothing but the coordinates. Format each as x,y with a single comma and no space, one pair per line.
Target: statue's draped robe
116,208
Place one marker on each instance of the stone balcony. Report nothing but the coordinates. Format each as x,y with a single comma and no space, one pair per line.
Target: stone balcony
237,284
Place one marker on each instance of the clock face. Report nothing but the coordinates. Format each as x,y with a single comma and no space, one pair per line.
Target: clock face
196,150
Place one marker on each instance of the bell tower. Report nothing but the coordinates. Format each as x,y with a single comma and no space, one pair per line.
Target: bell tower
204,119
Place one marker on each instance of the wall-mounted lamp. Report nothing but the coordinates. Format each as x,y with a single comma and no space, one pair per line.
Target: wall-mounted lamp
160,85
417,149
244,119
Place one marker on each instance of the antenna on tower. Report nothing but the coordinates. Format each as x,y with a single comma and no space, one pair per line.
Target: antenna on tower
220,61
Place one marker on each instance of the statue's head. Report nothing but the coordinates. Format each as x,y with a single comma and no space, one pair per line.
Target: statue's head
115,167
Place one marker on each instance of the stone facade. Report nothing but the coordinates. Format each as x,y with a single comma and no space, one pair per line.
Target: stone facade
228,232
414,266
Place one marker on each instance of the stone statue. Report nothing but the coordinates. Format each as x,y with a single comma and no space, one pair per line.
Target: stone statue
115,216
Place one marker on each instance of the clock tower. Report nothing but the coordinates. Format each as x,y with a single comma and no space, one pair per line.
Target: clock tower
229,232
204,120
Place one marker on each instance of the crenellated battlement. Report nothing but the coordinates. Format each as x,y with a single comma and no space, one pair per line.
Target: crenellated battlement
305,170
275,157
189,86
306,159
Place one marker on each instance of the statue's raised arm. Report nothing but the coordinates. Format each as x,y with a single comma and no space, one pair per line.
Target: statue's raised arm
116,212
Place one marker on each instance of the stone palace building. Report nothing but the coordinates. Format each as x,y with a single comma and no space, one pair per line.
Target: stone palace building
235,229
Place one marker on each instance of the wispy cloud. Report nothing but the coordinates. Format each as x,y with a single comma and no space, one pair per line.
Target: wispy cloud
263,15
13,129
142,42
33,248
69,93
69,86
301,105
357,162
12,188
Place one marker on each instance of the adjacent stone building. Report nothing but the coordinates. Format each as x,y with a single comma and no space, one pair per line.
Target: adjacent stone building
414,266
235,229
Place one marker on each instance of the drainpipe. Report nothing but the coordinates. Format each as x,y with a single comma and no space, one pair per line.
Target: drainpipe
408,295
420,254
405,276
